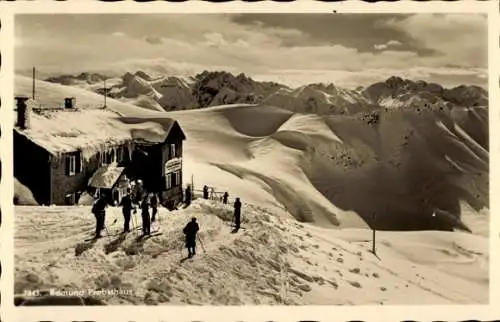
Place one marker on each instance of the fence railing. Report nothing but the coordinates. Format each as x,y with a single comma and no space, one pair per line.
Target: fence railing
213,194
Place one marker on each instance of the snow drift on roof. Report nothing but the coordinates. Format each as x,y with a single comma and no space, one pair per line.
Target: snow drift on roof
106,176
86,130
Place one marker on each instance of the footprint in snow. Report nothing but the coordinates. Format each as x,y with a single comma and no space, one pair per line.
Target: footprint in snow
354,284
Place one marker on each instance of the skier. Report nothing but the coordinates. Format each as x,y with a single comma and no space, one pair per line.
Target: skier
127,207
146,221
99,211
154,206
224,198
237,213
188,196
205,192
190,231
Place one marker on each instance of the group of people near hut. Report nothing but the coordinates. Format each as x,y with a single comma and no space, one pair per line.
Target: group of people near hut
136,195
128,203
147,201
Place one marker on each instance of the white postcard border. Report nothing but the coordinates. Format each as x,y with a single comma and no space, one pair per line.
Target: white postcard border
246,313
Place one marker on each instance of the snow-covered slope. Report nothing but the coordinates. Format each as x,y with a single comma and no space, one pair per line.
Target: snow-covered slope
392,165
272,260
23,195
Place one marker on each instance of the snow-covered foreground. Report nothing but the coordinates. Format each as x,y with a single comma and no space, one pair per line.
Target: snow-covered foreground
272,260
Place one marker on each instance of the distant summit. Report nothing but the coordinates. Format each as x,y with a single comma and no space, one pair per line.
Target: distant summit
217,88
72,80
399,88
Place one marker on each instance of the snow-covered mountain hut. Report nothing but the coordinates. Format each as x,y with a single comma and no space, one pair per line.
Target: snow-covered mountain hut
58,151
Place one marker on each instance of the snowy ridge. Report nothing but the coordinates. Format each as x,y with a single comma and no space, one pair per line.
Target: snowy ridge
427,93
320,99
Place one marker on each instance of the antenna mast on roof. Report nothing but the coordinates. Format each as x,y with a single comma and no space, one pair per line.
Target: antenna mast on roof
105,93
33,89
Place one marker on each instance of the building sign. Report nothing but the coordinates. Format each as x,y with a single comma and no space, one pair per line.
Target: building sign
173,165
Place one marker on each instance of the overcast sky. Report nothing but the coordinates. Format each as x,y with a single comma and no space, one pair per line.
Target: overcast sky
348,50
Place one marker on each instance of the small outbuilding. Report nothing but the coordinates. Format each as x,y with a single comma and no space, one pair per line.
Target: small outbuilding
111,181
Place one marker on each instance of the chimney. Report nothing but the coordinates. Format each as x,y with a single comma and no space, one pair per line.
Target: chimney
23,112
69,102
33,85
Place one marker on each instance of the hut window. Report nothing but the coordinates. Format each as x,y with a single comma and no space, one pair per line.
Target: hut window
172,151
174,179
71,165
168,179
79,165
177,178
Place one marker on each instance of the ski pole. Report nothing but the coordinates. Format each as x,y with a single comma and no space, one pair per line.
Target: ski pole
181,248
133,221
201,243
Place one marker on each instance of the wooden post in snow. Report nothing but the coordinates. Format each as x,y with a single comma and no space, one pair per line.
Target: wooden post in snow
33,85
374,251
192,186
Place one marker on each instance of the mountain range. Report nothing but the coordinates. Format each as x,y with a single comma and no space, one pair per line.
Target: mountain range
171,93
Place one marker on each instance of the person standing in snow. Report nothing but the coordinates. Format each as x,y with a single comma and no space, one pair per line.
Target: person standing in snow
138,192
224,198
190,231
188,195
99,211
146,221
237,213
127,207
205,192
154,206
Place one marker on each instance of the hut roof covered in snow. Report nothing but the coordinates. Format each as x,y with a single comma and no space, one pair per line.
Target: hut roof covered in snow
106,176
87,130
